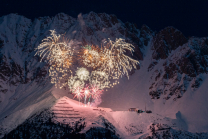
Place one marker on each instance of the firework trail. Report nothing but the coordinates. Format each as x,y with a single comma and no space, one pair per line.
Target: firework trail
96,92
87,93
78,93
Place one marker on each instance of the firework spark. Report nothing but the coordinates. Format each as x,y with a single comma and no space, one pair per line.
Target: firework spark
58,53
114,59
87,93
80,79
101,66
100,79
96,92
91,56
78,93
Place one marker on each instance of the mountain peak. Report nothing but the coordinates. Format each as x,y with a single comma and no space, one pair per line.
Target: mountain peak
166,40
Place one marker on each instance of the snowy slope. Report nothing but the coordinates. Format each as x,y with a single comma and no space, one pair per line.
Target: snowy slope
69,118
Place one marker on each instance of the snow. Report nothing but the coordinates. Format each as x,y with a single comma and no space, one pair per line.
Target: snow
127,124
134,93
21,105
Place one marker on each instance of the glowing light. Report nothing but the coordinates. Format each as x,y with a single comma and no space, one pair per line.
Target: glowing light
82,75
96,92
91,56
94,68
78,93
115,62
100,79
58,53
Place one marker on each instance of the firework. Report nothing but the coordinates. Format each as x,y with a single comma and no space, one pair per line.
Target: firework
82,76
58,53
78,93
81,84
113,58
97,67
100,79
87,93
55,49
91,56
96,92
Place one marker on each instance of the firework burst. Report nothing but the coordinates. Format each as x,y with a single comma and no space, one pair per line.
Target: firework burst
78,93
58,53
90,92
100,79
114,61
91,56
80,79
96,92
56,50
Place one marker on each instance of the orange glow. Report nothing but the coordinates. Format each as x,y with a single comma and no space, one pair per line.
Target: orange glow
86,51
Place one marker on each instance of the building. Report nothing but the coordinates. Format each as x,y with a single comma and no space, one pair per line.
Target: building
140,111
133,109
148,111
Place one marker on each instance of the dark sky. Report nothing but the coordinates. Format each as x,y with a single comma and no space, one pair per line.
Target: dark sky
189,16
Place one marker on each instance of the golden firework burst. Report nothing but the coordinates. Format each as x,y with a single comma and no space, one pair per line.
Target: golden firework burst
90,56
58,53
114,60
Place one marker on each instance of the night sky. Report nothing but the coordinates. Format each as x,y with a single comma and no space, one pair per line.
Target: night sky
189,16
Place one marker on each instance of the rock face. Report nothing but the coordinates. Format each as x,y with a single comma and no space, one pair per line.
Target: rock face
167,40
181,69
161,131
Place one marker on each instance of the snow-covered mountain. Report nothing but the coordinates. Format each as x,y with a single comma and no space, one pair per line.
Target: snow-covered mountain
171,78
68,118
